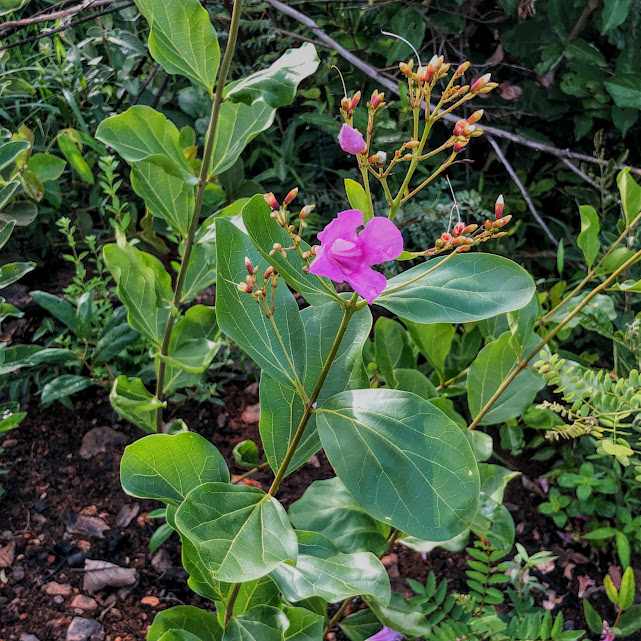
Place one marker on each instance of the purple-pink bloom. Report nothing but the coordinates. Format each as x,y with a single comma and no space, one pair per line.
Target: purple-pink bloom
351,140
386,634
345,255
607,633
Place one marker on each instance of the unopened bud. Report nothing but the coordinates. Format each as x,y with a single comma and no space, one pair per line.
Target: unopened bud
499,206
459,146
270,199
461,69
470,229
442,72
277,247
354,101
307,255
480,83
376,99
406,70
488,225
249,266
407,157
458,229
490,86
438,244
245,288
477,133
464,89
381,157
305,269
412,144
501,222
345,103
476,116
313,249
446,237
269,271
290,196
306,211
500,234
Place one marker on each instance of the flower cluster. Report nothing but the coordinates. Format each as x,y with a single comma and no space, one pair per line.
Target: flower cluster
259,292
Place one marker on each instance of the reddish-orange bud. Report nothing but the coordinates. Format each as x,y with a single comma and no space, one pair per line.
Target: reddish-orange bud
290,196
490,86
470,229
499,206
446,237
270,199
480,83
354,101
249,266
412,144
461,69
488,225
459,228
269,271
475,117
345,103
245,288
459,146
376,99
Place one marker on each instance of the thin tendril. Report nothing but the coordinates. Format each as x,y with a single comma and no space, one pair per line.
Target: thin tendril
342,80
458,211
407,42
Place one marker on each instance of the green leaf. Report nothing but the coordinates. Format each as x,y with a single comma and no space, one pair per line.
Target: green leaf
144,287
240,532
393,349
434,342
592,618
588,238
131,399
403,460
488,371
72,153
9,151
168,466
626,592
494,522
358,198
360,626
62,387
6,192
59,308
494,479
22,212
625,89
411,380
142,133
630,195
303,625
178,635
281,406
323,570
246,454
114,338
7,6
31,185
277,84
614,14
623,548
630,621
12,272
264,623
261,591
328,508
468,287
5,233
200,623
46,166
265,232
402,616
240,317
166,196
182,39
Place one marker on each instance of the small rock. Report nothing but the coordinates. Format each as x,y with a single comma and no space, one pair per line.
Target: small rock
53,588
17,575
153,601
82,629
127,514
39,506
28,637
9,443
58,600
76,560
39,519
97,440
251,414
161,561
82,602
7,554
81,524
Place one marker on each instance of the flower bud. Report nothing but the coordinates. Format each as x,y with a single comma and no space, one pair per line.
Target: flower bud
376,100
306,211
345,103
461,69
269,271
442,72
406,69
290,196
270,199
470,229
463,90
277,247
249,266
488,225
459,228
477,133
307,255
446,237
490,86
354,101
475,117
459,146
501,222
407,157
500,234
244,287
499,206
412,144
381,158
480,83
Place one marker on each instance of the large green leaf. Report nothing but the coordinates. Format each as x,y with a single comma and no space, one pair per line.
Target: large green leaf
165,195
393,349
264,623
261,591
277,84
625,89
265,232
614,14
401,615
491,367
630,195
12,272
5,195
434,342
199,622
46,166
9,151
182,39
241,533
240,316
282,407
134,402
62,387
304,625
328,507
402,459
144,287
59,308
588,238
142,133
168,466
468,287
324,571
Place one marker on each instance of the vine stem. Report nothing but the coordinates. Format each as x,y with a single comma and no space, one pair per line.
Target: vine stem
523,363
198,204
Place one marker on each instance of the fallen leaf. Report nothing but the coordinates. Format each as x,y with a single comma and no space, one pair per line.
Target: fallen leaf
102,574
546,567
508,91
585,582
7,554
127,514
81,524
567,571
57,589
98,439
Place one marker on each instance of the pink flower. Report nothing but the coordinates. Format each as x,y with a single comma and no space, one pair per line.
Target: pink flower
345,255
386,634
351,140
606,635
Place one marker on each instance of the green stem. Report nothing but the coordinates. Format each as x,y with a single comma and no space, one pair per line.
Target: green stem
311,401
369,214
200,194
486,408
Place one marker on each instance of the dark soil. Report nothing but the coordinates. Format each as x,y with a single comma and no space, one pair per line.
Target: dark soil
48,480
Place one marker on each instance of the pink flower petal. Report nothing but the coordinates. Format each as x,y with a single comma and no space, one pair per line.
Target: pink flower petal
351,140
323,265
344,226
381,240
367,282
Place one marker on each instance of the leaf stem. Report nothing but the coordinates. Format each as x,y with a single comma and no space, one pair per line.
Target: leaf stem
523,363
229,608
200,194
